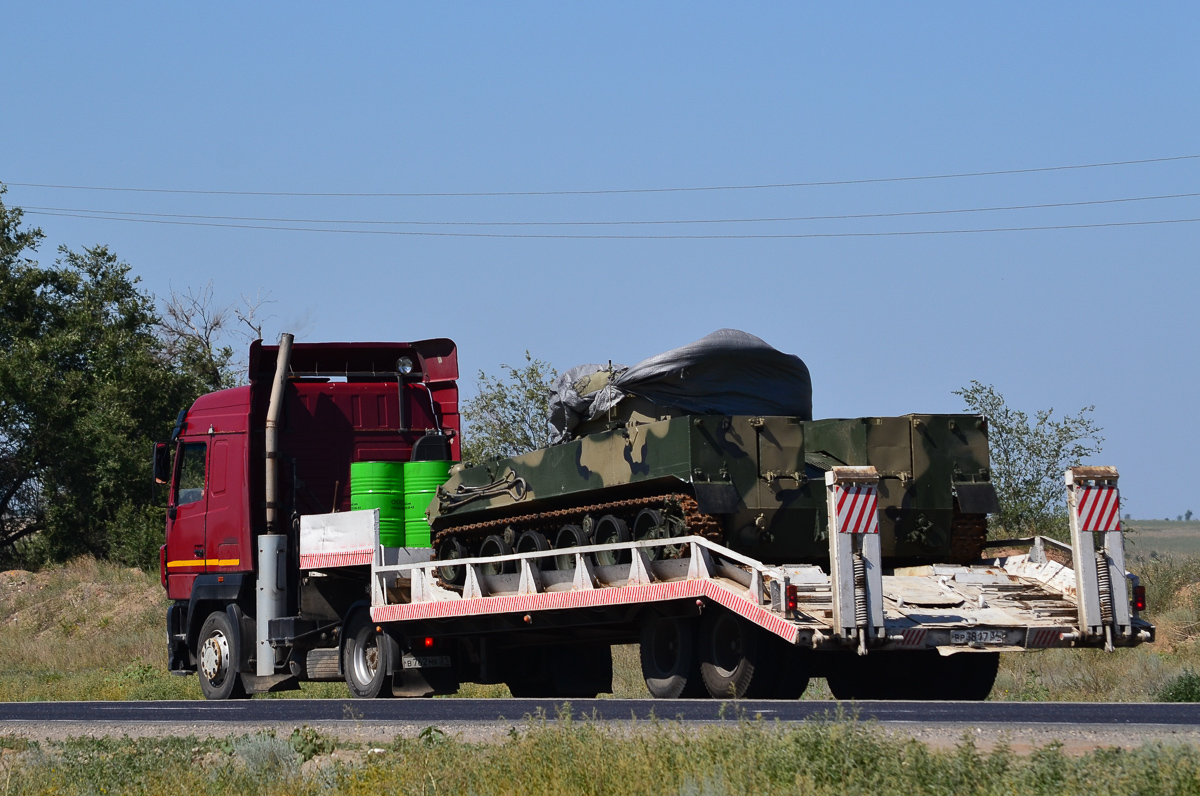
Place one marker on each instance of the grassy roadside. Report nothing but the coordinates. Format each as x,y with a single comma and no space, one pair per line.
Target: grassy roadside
572,757
93,630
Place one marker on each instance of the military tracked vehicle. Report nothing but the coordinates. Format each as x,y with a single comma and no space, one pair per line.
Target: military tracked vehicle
717,439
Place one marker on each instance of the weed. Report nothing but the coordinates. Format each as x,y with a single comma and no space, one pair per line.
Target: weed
1183,688
308,743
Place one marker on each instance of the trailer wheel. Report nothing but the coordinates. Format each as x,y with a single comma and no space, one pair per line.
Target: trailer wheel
366,659
734,659
670,660
217,654
969,676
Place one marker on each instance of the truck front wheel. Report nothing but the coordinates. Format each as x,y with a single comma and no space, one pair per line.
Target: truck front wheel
217,654
366,659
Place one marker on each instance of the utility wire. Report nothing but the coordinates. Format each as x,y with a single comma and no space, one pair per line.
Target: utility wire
32,208
412,233
617,190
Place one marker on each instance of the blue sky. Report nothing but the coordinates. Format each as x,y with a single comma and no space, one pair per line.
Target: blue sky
490,97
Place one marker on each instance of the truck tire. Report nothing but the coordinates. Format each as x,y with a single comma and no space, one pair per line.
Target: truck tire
969,676
734,657
923,676
794,671
670,660
218,649
366,659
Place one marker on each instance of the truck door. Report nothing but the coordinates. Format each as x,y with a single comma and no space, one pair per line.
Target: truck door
185,534
224,524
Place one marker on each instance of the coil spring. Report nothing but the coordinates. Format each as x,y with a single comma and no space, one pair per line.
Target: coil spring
1104,582
860,591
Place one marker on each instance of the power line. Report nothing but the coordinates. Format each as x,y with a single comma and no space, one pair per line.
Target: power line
851,216
411,233
595,192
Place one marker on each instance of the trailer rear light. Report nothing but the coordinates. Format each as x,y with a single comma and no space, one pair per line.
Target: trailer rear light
428,642
1139,598
793,598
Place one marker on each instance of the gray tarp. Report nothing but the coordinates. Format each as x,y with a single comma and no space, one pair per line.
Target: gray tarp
726,373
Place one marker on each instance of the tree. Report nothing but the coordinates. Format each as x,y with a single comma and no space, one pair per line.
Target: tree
510,414
1187,517
1028,460
195,332
85,387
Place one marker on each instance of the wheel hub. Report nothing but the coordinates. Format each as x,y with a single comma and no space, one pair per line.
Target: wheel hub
214,657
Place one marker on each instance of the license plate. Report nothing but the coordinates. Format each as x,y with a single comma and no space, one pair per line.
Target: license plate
978,637
426,662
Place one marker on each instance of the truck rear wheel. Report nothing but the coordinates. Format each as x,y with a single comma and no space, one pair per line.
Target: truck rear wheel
366,659
735,659
670,660
217,652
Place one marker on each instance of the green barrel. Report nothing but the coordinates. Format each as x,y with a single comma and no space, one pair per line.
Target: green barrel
380,485
421,480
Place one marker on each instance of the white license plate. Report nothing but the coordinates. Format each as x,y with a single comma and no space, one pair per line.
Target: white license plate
978,637
426,662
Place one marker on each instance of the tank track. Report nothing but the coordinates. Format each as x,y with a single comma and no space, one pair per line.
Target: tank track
549,522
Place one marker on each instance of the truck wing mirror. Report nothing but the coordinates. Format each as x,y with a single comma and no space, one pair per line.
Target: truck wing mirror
162,463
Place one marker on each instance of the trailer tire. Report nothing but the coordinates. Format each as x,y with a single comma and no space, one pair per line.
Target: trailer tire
366,659
218,649
969,676
734,659
670,658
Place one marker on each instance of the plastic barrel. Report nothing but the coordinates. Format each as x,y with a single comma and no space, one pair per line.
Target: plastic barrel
380,485
421,480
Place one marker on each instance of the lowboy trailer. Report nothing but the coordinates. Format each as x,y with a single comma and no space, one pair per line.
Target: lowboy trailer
316,596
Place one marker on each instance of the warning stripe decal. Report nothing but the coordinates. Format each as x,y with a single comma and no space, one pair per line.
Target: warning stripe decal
344,558
1098,508
857,508
592,598
1040,637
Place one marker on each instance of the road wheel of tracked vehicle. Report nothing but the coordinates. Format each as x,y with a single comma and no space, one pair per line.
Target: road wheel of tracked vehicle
217,654
611,530
735,659
450,550
495,545
670,660
533,542
568,536
366,658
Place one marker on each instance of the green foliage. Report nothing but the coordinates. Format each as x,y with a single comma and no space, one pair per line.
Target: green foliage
85,387
509,415
1183,688
308,743
1028,459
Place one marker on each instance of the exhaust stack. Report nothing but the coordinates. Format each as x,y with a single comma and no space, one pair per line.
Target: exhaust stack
271,588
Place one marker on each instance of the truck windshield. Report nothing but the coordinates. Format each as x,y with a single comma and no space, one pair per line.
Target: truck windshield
191,474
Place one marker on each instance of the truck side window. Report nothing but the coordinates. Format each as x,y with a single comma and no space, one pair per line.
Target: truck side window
191,474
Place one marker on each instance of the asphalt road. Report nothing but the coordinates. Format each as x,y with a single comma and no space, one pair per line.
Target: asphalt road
433,711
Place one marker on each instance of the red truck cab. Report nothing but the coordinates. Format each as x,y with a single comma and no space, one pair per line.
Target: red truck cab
343,402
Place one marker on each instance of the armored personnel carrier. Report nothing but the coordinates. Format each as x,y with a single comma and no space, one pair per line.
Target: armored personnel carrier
716,438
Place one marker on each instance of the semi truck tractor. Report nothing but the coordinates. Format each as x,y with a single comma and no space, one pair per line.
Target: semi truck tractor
689,504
